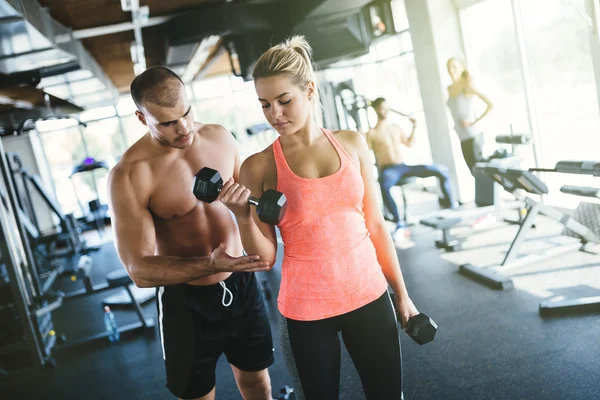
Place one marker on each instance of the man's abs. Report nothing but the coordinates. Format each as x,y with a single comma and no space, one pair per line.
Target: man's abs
197,233
386,155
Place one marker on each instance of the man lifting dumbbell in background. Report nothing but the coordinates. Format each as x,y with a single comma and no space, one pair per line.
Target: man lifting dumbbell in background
386,141
208,300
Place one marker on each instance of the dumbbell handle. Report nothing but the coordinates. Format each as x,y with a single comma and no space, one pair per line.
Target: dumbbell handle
252,200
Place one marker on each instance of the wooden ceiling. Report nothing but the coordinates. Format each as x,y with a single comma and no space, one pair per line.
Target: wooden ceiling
113,51
83,14
34,98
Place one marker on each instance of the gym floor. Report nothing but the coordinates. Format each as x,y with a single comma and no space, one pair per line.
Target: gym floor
490,344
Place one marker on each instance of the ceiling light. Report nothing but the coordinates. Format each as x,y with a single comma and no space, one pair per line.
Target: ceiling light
142,15
126,5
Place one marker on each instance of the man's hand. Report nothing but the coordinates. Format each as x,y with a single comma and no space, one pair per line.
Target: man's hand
405,309
220,261
465,124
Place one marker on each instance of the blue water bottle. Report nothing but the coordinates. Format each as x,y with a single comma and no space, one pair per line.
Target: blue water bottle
111,325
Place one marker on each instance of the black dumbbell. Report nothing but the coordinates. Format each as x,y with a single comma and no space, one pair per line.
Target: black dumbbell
420,327
270,207
286,393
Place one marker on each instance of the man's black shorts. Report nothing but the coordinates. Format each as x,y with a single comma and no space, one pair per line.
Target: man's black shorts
197,325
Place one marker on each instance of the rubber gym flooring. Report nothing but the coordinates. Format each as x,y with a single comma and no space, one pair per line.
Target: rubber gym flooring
490,345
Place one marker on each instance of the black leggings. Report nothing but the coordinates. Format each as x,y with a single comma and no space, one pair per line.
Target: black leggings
370,334
472,150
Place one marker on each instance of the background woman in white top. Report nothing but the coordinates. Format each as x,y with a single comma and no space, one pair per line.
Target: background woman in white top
462,105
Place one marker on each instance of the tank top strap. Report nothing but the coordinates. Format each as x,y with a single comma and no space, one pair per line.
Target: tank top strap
344,156
280,162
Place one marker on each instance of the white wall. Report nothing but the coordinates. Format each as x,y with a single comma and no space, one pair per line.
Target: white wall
436,36
33,162
593,9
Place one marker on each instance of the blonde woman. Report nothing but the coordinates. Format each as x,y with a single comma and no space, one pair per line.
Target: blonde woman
462,96
338,255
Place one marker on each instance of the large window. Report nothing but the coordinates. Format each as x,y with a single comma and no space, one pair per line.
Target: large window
564,86
133,129
103,142
68,144
559,71
63,150
493,61
231,102
389,71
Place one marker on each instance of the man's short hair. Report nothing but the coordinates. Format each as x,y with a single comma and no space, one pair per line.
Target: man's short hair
377,102
156,85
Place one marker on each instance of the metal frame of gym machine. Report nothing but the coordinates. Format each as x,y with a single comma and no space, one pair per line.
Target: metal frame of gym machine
77,263
67,222
581,304
527,181
447,220
69,233
32,294
33,308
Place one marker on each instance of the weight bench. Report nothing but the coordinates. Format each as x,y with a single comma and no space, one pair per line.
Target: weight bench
445,223
401,183
115,279
582,304
512,179
448,219
82,271
118,278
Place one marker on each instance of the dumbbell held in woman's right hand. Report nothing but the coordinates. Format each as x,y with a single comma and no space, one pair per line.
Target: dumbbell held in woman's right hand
420,327
270,208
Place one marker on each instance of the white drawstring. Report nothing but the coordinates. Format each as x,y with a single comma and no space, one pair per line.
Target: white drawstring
225,291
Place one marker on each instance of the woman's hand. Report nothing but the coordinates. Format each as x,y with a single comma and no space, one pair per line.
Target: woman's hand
235,197
406,309
465,124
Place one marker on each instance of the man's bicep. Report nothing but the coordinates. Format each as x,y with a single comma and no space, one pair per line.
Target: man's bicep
133,227
134,235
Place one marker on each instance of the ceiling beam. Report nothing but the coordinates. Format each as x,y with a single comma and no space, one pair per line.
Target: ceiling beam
110,29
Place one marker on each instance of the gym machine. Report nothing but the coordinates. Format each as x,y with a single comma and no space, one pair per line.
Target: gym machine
582,304
65,240
24,298
62,252
512,179
96,218
450,219
27,276
486,191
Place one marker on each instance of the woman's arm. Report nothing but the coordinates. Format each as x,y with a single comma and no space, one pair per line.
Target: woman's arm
386,251
485,99
257,237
